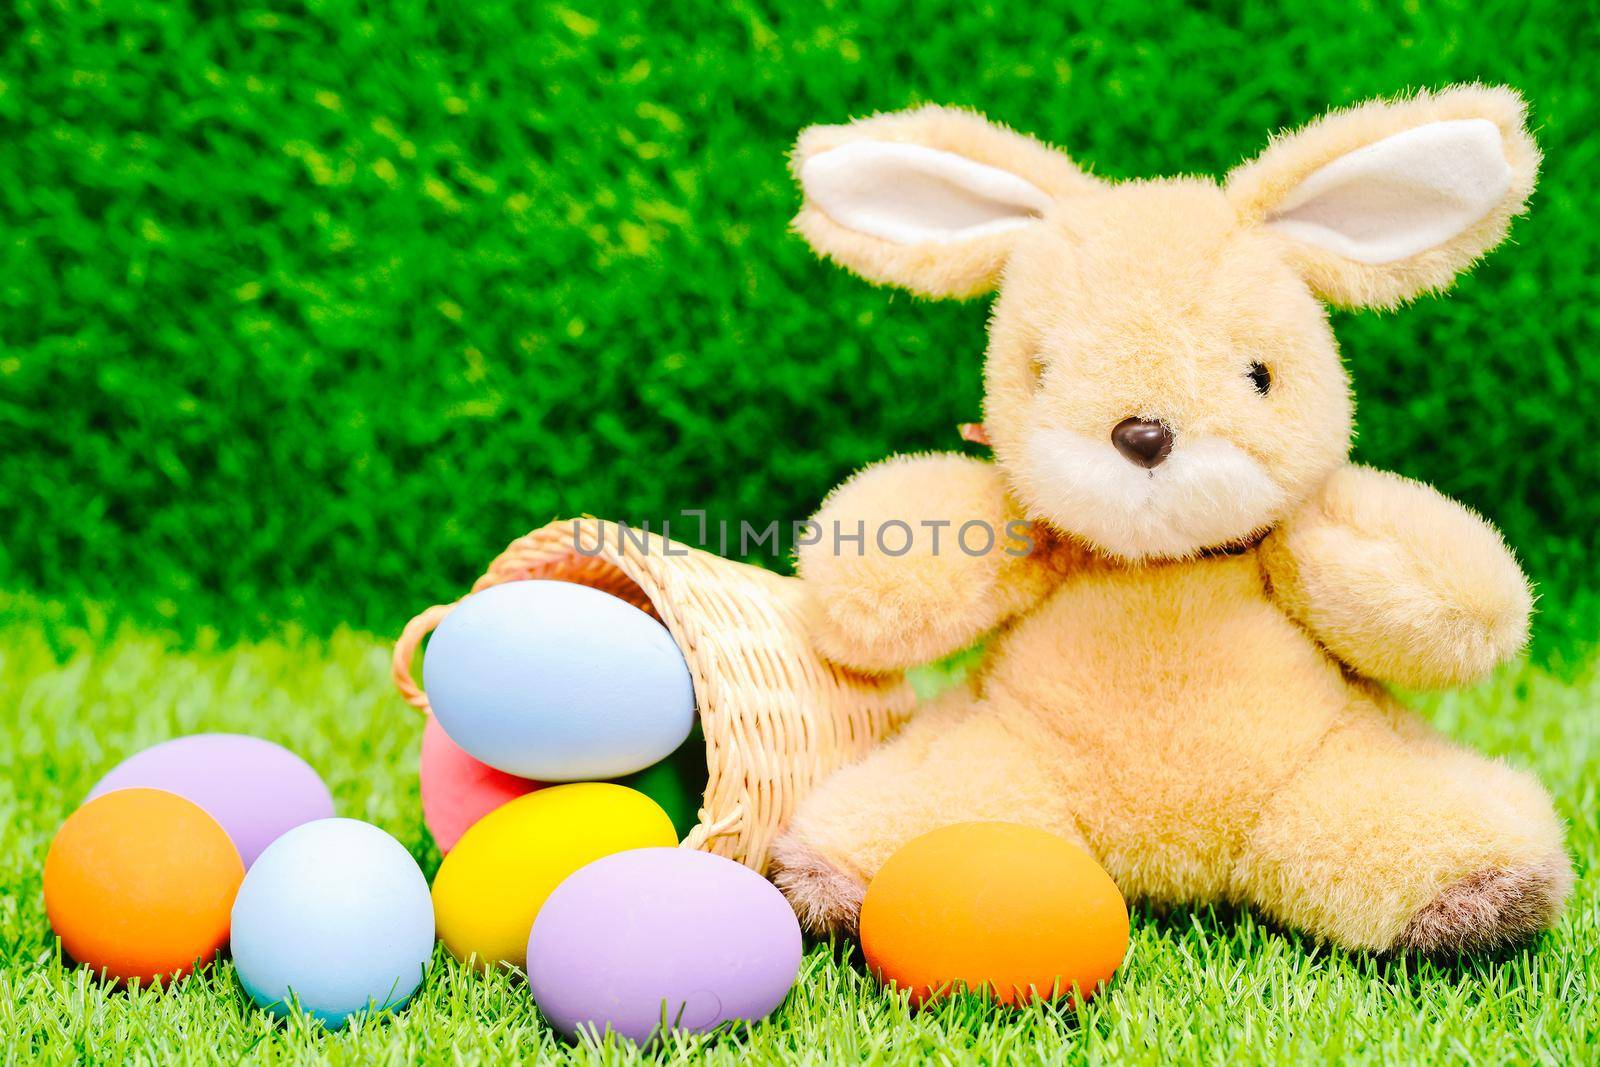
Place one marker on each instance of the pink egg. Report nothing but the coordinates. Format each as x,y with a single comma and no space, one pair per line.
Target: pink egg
458,790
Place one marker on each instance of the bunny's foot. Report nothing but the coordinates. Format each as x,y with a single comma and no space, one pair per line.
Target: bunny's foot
825,897
1493,909
1390,838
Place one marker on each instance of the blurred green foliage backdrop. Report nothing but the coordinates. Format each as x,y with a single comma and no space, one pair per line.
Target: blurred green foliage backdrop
306,311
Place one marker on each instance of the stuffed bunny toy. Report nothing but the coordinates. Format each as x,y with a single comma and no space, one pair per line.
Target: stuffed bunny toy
1187,666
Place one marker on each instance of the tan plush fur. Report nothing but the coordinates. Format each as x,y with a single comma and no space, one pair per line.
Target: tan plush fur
1397,581
1185,673
886,611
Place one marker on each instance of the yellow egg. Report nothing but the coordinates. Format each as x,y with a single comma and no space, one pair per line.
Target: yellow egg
493,883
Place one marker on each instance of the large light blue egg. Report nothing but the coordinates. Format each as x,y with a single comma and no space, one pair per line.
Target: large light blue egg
336,914
558,682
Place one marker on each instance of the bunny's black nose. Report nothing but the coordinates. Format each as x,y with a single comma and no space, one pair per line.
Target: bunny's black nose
1142,441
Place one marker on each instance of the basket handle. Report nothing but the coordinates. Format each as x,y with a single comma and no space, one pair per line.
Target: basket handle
705,830
405,653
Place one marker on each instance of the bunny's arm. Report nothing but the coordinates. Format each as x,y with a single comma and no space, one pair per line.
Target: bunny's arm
876,607
1398,581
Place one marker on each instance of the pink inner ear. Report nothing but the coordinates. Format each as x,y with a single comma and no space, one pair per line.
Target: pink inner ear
974,432
458,790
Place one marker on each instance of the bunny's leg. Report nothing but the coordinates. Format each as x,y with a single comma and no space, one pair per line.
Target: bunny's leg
956,762
1392,838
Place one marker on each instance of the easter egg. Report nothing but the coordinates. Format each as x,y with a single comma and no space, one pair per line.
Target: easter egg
254,788
558,682
138,884
336,915
490,887
662,934
458,790
1017,909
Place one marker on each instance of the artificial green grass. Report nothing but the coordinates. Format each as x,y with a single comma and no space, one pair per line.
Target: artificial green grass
306,309
1199,986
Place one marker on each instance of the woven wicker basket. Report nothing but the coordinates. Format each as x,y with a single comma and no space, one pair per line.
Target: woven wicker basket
776,717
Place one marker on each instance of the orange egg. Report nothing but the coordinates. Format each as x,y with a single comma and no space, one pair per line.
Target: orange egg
139,883
1016,909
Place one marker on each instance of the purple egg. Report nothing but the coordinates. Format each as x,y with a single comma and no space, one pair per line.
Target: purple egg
661,933
257,790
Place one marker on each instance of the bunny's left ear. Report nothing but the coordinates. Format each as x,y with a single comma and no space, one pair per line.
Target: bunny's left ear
931,199
1385,201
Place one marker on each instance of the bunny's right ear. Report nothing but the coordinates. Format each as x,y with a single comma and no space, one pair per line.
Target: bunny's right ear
930,200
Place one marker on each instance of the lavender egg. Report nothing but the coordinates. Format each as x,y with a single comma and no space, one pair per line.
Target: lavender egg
257,790
661,934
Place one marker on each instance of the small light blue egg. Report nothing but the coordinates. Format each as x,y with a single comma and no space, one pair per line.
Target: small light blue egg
558,682
336,915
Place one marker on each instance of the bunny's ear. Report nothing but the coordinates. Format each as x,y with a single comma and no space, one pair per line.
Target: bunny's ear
930,199
1385,201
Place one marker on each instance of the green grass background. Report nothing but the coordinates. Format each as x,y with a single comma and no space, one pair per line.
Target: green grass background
307,309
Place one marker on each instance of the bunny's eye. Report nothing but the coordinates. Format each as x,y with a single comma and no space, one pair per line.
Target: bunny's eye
1030,350
1260,377
1035,369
